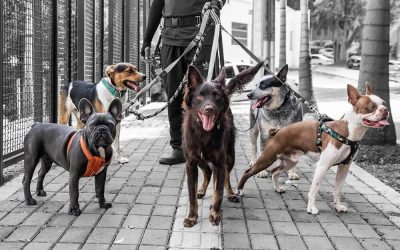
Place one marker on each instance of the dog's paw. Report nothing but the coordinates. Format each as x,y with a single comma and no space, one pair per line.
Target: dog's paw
215,217
200,194
105,205
234,198
293,175
312,210
189,222
341,208
123,160
263,174
280,189
40,193
74,211
30,202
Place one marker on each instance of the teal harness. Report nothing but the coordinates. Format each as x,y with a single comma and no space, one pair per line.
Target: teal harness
111,88
353,144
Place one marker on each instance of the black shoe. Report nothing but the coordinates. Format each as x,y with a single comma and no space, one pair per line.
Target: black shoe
175,158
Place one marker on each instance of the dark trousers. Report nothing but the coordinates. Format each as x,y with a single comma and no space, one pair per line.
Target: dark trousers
172,80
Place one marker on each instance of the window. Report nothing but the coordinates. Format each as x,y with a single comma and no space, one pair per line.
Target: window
239,31
229,72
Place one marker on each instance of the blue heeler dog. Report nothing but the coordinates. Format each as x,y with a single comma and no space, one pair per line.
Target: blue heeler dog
277,107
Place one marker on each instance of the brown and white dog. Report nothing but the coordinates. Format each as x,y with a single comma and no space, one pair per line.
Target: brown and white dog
288,143
120,78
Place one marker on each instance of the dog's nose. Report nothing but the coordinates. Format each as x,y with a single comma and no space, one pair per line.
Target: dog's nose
250,95
143,77
209,109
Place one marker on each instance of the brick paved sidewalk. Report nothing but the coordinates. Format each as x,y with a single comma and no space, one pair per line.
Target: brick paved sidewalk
150,202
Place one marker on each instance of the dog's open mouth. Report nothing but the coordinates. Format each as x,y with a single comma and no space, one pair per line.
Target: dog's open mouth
208,120
376,124
132,85
260,102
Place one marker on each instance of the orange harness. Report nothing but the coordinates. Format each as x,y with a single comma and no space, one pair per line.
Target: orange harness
95,163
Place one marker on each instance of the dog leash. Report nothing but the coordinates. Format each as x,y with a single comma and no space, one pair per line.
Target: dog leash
251,125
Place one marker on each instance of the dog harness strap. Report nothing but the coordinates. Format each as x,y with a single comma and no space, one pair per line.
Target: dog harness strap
112,89
70,142
95,163
353,144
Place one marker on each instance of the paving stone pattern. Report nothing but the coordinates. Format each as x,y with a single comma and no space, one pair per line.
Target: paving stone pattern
150,203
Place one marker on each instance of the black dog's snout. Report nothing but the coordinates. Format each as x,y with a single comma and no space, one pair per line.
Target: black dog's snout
250,95
143,77
209,109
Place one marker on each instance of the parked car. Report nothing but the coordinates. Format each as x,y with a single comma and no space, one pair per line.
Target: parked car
328,52
321,59
353,62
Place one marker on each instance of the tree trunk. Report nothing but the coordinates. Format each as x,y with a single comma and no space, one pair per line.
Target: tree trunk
375,64
305,79
282,40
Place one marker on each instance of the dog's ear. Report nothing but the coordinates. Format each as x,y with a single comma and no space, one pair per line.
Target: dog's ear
352,94
368,88
194,77
237,83
110,69
283,73
115,110
221,77
85,110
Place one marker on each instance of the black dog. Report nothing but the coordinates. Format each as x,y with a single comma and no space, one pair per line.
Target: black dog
85,152
209,136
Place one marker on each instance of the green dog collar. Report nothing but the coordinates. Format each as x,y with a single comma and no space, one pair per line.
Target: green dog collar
112,89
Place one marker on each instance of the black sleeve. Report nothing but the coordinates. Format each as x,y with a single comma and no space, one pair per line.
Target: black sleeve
154,20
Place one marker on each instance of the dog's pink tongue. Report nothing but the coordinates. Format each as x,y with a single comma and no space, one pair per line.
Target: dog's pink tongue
384,122
256,104
136,87
208,122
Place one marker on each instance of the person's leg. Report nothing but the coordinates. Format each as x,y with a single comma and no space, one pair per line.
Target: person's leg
171,82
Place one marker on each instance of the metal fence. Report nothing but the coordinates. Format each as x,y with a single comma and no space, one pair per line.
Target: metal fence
46,43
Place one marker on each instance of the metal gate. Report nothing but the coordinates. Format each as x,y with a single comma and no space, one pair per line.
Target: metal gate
46,43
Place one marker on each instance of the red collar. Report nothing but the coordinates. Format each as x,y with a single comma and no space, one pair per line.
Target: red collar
95,163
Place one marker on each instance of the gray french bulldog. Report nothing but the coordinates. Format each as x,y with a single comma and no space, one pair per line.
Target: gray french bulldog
75,151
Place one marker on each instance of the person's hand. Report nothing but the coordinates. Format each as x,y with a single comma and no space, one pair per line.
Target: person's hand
144,46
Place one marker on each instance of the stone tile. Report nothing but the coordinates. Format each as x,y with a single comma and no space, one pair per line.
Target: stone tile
257,227
336,229
66,246
394,243
388,232
49,234
110,220
102,235
263,241
86,220
23,234
289,242
160,222
352,218
127,236
302,216
76,235
362,231
141,209
135,221
373,244
376,219
286,227
37,219
155,237
310,229
279,215
91,246
167,200
5,231
13,219
164,210
61,219
118,208
255,214
346,243
318,243
11,245
236,240
234,226
35,246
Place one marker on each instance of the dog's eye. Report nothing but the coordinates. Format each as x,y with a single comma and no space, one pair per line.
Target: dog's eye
130,71
216,95
200,97
372,106
92,127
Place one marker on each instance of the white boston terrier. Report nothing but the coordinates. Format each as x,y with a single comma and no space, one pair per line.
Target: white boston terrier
331,143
